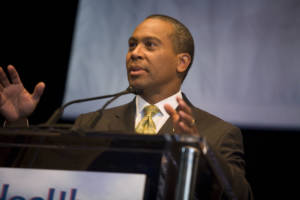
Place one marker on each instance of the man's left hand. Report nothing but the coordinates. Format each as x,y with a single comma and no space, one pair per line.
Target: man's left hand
183,120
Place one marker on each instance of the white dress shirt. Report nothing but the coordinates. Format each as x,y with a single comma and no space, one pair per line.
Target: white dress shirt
161,117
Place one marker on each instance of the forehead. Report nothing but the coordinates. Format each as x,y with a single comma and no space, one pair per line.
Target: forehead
156,28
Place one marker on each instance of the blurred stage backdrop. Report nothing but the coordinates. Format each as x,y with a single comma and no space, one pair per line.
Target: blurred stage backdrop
246,66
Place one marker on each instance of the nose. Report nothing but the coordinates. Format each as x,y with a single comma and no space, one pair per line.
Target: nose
136,53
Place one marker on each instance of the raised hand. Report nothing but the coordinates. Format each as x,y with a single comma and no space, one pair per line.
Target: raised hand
15,101
182,118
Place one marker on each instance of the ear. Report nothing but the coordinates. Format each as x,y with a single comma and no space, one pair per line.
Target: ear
184,59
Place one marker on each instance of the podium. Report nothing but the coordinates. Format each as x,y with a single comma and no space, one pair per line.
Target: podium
143,166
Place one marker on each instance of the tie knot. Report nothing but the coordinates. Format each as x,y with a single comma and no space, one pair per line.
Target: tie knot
151,110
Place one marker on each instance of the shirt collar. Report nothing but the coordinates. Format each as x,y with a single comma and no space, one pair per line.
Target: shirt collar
141,103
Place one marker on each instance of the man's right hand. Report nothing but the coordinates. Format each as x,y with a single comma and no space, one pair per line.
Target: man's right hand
15,101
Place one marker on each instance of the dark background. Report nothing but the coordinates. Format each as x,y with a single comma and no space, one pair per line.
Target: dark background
36,38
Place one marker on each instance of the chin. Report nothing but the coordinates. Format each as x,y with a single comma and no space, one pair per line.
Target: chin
137,84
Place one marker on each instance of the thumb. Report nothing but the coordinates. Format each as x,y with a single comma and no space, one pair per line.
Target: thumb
38,91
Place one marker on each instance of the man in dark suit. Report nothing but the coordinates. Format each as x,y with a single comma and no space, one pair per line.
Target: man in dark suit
160,53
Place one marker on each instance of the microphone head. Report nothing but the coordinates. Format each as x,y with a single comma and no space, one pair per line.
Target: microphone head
135,91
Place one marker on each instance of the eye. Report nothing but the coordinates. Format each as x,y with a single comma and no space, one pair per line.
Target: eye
131,45
149,44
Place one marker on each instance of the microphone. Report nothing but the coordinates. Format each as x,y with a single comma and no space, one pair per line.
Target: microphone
58,113
130,89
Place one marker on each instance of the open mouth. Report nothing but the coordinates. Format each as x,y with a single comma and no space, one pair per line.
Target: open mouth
134,71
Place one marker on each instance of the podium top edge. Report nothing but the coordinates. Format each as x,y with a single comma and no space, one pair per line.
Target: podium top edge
69,133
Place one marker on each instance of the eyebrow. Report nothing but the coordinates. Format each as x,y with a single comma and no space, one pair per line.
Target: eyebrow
145,38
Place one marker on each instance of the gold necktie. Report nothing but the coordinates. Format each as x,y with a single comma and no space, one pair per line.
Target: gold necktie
147,125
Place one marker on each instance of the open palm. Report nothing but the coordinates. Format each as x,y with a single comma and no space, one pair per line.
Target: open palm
15,101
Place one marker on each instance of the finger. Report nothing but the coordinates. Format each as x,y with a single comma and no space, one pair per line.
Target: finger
186,129
38,91
14,76
170,110
187,118
173,114
183,106
3,78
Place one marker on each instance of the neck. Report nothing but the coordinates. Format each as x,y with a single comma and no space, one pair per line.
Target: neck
153,97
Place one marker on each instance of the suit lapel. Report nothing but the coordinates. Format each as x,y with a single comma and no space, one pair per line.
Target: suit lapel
125,118
167,127
130,116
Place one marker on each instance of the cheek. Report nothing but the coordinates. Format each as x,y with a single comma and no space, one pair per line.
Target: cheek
161,60
127,58
167,64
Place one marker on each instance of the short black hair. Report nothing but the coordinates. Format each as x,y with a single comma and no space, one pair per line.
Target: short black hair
182,39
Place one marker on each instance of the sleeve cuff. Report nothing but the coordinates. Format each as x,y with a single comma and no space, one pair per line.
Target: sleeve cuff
21,123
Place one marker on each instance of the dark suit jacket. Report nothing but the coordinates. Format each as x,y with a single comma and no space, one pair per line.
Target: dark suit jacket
224,138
